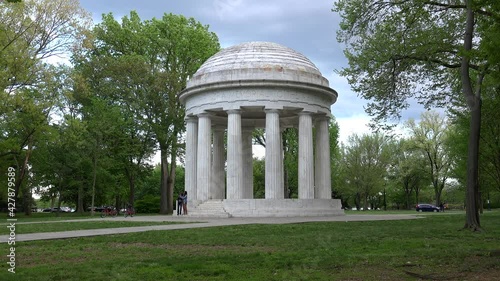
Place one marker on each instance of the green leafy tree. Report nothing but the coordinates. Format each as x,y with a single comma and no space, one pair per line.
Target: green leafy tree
366,161
34,30
31,32
429,137
489,150
259,178
145,66
335,159
418,49
407,171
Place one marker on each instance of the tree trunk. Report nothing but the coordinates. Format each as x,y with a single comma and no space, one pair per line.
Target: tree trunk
79,207
94,177
27,192
474,104
22,173
385,201
59,202
471,205
438,197
170,184
27,200
436,189
285,184
52,200
407,200
357,201
417,192
163,182
481,203
118,202
131,197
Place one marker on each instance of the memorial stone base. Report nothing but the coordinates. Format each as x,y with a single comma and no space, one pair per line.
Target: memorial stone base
266,208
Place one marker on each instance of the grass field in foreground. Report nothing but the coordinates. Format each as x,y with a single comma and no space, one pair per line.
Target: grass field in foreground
432,248
57,217
81,225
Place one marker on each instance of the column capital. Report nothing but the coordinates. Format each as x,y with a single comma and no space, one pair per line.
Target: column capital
192,119
272,110
305,113
322,118
205,114
233,111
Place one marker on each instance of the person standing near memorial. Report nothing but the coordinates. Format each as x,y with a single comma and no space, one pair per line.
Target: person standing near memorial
180,202
184,205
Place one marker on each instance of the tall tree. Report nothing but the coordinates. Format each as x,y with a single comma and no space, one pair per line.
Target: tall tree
34,30
407,170
335,158
157,57
31,32
366,160
417,49
489,149
429,136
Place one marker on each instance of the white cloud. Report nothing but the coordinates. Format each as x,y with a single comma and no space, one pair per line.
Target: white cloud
357,124
242,11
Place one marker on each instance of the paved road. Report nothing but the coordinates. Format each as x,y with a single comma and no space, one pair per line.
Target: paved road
195,222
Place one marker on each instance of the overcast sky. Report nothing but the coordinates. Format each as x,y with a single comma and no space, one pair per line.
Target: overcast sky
307,26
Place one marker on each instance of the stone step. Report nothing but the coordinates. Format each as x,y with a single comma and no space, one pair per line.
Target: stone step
209,208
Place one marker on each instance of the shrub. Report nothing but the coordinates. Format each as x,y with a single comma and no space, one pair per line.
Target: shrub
148,205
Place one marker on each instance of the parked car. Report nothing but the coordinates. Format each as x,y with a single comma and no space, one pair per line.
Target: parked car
426,208
66,209
96,209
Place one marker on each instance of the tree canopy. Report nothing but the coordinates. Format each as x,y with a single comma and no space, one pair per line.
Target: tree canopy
420,49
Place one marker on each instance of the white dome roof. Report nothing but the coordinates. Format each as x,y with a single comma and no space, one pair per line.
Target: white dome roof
257,61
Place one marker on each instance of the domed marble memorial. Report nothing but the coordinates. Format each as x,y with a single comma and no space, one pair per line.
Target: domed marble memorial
241,88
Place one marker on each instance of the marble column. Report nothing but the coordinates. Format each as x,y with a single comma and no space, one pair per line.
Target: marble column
322,176
247,163
306,157
218,189
285,192
234,155
274,159
191,157
204,169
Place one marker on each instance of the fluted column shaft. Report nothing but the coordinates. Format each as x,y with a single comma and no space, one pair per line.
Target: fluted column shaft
322,176
306,158
234,156
191,157
218,190
285,192
204,168
274,160
247,164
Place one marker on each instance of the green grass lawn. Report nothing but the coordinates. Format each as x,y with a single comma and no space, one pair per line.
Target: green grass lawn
58,216
432,248
67,226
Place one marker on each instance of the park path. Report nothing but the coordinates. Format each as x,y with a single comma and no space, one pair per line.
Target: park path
191,222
